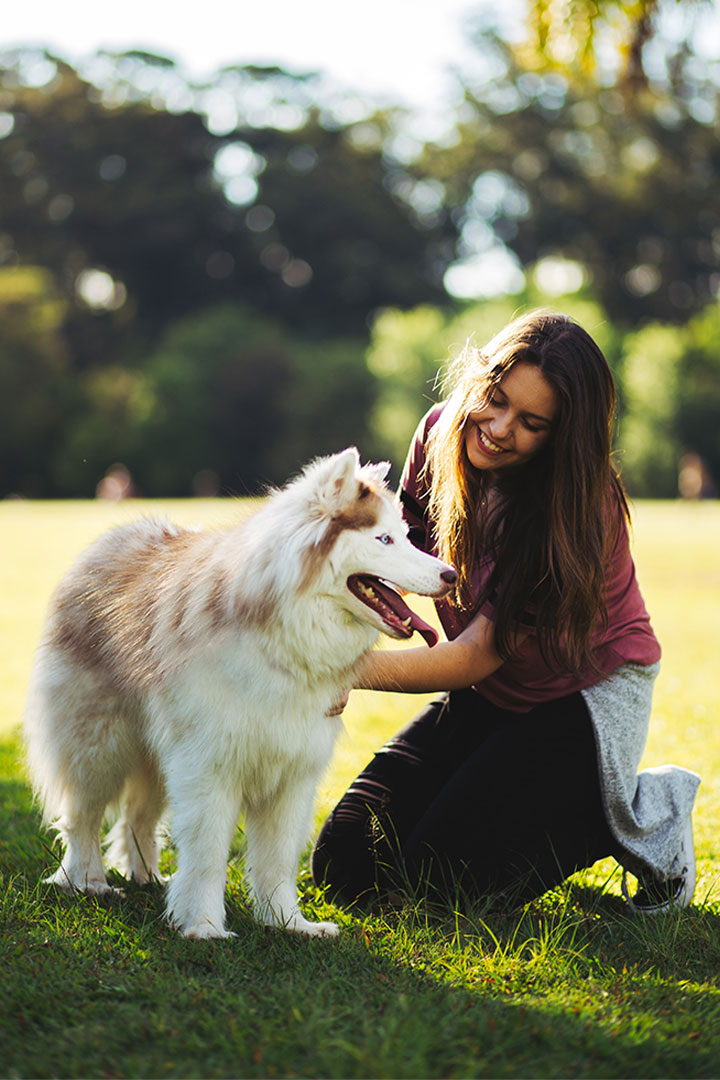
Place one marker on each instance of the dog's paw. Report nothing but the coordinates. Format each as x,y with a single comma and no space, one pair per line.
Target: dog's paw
324,929
314,929
61,881
204,931
97,887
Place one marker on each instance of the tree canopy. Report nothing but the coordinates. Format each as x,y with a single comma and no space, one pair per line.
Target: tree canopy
305,222
616,175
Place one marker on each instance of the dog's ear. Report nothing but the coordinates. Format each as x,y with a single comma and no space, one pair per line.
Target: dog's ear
378,473
339,482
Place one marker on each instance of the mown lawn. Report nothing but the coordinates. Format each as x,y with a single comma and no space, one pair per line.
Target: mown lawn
571,986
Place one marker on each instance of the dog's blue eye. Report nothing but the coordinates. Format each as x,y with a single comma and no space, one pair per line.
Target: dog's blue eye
385,538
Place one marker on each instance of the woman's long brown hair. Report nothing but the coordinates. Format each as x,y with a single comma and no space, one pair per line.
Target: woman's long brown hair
550,524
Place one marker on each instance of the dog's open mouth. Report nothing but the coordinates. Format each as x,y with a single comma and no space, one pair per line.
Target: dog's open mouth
390,606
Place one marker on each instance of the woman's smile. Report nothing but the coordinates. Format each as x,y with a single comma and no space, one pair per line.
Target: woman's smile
487,443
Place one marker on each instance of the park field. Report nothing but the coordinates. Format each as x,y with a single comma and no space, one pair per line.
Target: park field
570,986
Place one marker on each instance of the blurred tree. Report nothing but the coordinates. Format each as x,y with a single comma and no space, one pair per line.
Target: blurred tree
147,200
698,399
571,37
333,230
144,210
549,167
112,403
35,395
115,202
228,401
237,396
648,435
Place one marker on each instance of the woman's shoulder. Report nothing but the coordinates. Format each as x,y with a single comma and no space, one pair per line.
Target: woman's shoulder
414,489
617,517
416,460
429,420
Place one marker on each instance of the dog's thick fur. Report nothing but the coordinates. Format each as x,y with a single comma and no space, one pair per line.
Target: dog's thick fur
196,670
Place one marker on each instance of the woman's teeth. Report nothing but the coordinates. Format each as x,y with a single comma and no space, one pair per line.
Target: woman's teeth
489,444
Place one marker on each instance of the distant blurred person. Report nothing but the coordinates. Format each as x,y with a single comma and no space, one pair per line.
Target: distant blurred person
694,479
116,484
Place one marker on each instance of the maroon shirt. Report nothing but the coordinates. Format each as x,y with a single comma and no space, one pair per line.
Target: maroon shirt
525,680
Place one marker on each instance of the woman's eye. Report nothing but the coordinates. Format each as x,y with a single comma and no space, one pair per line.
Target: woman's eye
385,538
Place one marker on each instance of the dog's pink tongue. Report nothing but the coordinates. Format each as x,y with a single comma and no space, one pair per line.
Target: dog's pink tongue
388,602
427,631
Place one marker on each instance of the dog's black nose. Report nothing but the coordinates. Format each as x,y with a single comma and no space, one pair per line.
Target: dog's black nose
449,576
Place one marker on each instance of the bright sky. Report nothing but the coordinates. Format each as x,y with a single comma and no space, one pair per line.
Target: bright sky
399,49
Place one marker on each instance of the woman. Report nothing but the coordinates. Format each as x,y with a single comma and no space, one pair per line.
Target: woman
524,769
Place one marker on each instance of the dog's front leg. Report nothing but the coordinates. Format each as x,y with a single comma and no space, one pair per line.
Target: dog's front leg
205,813
275,832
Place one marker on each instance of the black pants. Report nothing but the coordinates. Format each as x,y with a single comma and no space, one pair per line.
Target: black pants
472,796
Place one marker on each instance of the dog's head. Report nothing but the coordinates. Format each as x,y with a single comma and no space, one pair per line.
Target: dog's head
360,549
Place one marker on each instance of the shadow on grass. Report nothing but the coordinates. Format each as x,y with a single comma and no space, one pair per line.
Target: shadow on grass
569,986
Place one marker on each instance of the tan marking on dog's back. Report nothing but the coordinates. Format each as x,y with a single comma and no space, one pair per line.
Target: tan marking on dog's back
180,605
107,608
141,598
216,605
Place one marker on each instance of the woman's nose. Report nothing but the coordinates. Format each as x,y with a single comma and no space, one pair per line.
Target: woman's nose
500,426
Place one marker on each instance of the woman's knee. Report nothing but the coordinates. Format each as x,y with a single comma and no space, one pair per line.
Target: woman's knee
342,860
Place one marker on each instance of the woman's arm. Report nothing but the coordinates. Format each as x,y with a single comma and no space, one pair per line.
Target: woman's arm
450,665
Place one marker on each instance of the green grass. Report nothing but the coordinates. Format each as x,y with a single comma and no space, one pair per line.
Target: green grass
570,986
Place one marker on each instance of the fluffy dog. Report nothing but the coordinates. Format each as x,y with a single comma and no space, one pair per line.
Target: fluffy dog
195,670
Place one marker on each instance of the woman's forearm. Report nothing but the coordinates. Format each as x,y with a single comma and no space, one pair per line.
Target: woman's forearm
450,665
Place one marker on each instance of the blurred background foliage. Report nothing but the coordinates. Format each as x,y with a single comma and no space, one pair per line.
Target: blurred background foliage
214,283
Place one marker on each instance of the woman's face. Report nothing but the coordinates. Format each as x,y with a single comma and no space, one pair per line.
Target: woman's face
516,422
